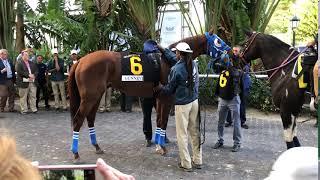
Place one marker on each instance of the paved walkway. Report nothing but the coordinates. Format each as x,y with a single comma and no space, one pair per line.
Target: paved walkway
46,137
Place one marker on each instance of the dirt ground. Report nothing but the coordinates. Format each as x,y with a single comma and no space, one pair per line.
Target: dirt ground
46,137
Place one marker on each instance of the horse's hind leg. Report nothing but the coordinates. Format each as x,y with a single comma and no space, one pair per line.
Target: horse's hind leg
78,121
290,131
92,132
84,110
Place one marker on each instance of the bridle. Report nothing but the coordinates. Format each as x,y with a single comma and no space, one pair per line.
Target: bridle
276,69
247,45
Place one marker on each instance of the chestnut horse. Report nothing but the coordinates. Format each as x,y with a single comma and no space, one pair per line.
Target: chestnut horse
279,59
89,78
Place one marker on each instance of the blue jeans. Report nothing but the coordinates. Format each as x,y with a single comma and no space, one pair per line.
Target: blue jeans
223,108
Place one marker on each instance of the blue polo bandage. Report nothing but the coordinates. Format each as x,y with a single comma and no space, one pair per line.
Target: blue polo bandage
75,139
157,136
92,133
162,139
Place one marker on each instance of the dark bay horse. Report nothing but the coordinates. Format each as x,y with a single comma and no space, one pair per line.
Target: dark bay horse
285,89
94,72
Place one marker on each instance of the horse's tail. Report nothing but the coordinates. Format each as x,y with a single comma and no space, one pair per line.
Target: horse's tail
73,93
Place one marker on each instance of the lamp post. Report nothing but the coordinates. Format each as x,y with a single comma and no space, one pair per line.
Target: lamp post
294,24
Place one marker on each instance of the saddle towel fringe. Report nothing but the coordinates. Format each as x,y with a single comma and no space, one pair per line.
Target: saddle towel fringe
160,136
75,139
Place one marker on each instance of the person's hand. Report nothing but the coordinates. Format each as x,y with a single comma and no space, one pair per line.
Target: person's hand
31,76
157,90
160,48
311,44
4,70
110,173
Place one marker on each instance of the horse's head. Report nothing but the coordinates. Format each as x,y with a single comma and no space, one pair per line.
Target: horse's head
250,47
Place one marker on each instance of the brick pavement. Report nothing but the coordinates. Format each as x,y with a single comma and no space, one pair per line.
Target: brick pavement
46,137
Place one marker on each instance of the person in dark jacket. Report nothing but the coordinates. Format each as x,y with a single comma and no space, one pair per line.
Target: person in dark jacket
7,78
149,47
228,89
42,79
27,83
184,83
55,67
246,81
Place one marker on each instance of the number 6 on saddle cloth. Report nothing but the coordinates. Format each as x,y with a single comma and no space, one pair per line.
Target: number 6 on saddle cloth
141,67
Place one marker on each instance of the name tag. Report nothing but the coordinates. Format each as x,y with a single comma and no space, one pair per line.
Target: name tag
132,78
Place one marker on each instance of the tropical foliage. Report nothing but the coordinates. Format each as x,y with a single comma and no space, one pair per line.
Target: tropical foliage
6,24
308,26
229,18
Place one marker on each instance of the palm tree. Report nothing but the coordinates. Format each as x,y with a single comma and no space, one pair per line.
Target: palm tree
235,15
6,24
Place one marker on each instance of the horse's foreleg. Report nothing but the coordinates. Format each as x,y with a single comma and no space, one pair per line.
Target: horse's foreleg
163,110
295,138
92,132
289,127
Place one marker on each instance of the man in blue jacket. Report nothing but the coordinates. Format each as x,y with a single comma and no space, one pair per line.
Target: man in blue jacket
7,78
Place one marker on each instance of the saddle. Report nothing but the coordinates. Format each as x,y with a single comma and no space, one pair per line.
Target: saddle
303,69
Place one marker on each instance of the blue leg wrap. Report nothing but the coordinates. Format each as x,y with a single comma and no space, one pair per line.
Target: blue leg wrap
162,139
75,139
92,133
157,135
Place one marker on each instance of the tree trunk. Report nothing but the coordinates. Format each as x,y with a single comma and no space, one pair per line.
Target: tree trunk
20,33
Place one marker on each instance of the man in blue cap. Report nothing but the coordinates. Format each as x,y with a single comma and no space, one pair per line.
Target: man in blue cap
149,46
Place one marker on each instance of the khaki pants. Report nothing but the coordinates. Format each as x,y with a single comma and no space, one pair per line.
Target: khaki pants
105,102
187,122
55,85
28,94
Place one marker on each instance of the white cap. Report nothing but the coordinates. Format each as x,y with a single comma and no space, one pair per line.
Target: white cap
73,52
184,47
54,51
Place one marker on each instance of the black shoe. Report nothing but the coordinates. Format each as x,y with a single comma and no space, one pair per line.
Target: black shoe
47,107
218,145
196,166
57,109
244,126
228,124
148,143
235,148
184,169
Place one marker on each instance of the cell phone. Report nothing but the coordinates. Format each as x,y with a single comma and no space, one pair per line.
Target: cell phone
85,171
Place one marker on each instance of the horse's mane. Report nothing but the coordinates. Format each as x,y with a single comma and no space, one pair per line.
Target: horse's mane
277,42
189,40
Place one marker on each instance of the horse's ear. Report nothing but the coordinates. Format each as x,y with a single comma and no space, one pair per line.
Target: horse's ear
211,31
247,32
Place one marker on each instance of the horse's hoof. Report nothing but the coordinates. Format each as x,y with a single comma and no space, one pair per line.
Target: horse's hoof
99,151
161,150
77,161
